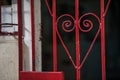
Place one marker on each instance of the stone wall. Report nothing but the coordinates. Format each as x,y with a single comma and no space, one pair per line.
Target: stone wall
8,58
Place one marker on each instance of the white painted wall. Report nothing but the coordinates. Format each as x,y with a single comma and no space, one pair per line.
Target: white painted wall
37,15
27,41
27,45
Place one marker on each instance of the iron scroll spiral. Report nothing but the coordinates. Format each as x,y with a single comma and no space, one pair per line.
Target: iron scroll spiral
87,23
66,24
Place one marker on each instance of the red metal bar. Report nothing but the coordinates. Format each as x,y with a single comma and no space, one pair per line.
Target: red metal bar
106,9
8,33
66,49
19,8
54,36
90,27
33,34
46,1
77,39
87,24
90,48
0,14
102,40
9,24
41,76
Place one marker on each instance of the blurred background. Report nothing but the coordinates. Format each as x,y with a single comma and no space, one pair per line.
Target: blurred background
92,67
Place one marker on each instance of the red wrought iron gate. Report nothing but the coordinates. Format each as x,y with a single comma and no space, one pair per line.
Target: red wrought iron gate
56,35
77,20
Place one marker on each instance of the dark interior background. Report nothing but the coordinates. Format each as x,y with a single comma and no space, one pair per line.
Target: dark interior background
92,67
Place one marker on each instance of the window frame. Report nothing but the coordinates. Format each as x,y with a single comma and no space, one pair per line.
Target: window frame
7,24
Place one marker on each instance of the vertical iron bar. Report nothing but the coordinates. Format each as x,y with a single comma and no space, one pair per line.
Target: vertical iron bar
33,34
77,40
102,40
54,36
19,6
0,16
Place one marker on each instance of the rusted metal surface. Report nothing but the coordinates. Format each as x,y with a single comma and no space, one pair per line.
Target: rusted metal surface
77,21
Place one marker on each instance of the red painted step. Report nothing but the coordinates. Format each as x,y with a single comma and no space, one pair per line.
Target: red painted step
41,76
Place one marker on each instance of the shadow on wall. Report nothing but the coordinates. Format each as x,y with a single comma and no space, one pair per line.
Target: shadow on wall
26,57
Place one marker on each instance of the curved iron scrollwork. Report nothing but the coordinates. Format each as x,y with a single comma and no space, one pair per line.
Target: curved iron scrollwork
67,26
67,23
85,25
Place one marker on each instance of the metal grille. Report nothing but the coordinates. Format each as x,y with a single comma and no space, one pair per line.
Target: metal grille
8,18
78,24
